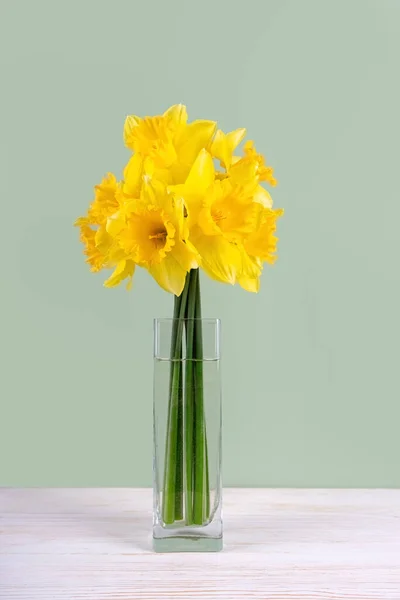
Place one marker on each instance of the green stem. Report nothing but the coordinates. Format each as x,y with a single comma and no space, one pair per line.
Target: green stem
172,481
179,432
189,397
179,450
201,501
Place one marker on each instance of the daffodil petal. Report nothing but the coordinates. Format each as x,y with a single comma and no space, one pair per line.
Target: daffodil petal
193,138
207,223
177,113
115,223
201,175
250,285
102,239
219,258
191,203
223,145
185,254
133,176
261,196
124,269
81,222
251,267
244,173
169,275
130,123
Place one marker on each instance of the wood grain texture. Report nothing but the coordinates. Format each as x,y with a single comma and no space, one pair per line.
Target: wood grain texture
95,544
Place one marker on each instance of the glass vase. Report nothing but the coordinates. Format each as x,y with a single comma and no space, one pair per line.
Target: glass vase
187,435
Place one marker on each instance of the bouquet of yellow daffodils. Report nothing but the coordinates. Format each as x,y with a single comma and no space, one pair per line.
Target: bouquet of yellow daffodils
187,201
174,211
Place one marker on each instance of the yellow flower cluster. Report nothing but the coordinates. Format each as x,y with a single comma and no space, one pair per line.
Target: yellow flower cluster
174,211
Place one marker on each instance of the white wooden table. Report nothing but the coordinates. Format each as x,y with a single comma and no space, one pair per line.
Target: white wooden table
95,544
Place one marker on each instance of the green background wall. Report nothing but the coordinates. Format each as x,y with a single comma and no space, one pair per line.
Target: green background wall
311,364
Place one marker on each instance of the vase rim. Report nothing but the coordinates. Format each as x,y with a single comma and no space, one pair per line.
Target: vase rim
166,330
210,320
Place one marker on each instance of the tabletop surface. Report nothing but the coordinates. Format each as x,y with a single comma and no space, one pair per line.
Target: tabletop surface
95,544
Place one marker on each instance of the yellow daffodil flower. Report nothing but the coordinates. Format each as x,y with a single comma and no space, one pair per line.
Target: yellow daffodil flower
169,141
101,249
220,215
151,231
106,201
251,167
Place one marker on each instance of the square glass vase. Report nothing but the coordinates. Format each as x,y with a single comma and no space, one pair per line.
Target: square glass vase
187,484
